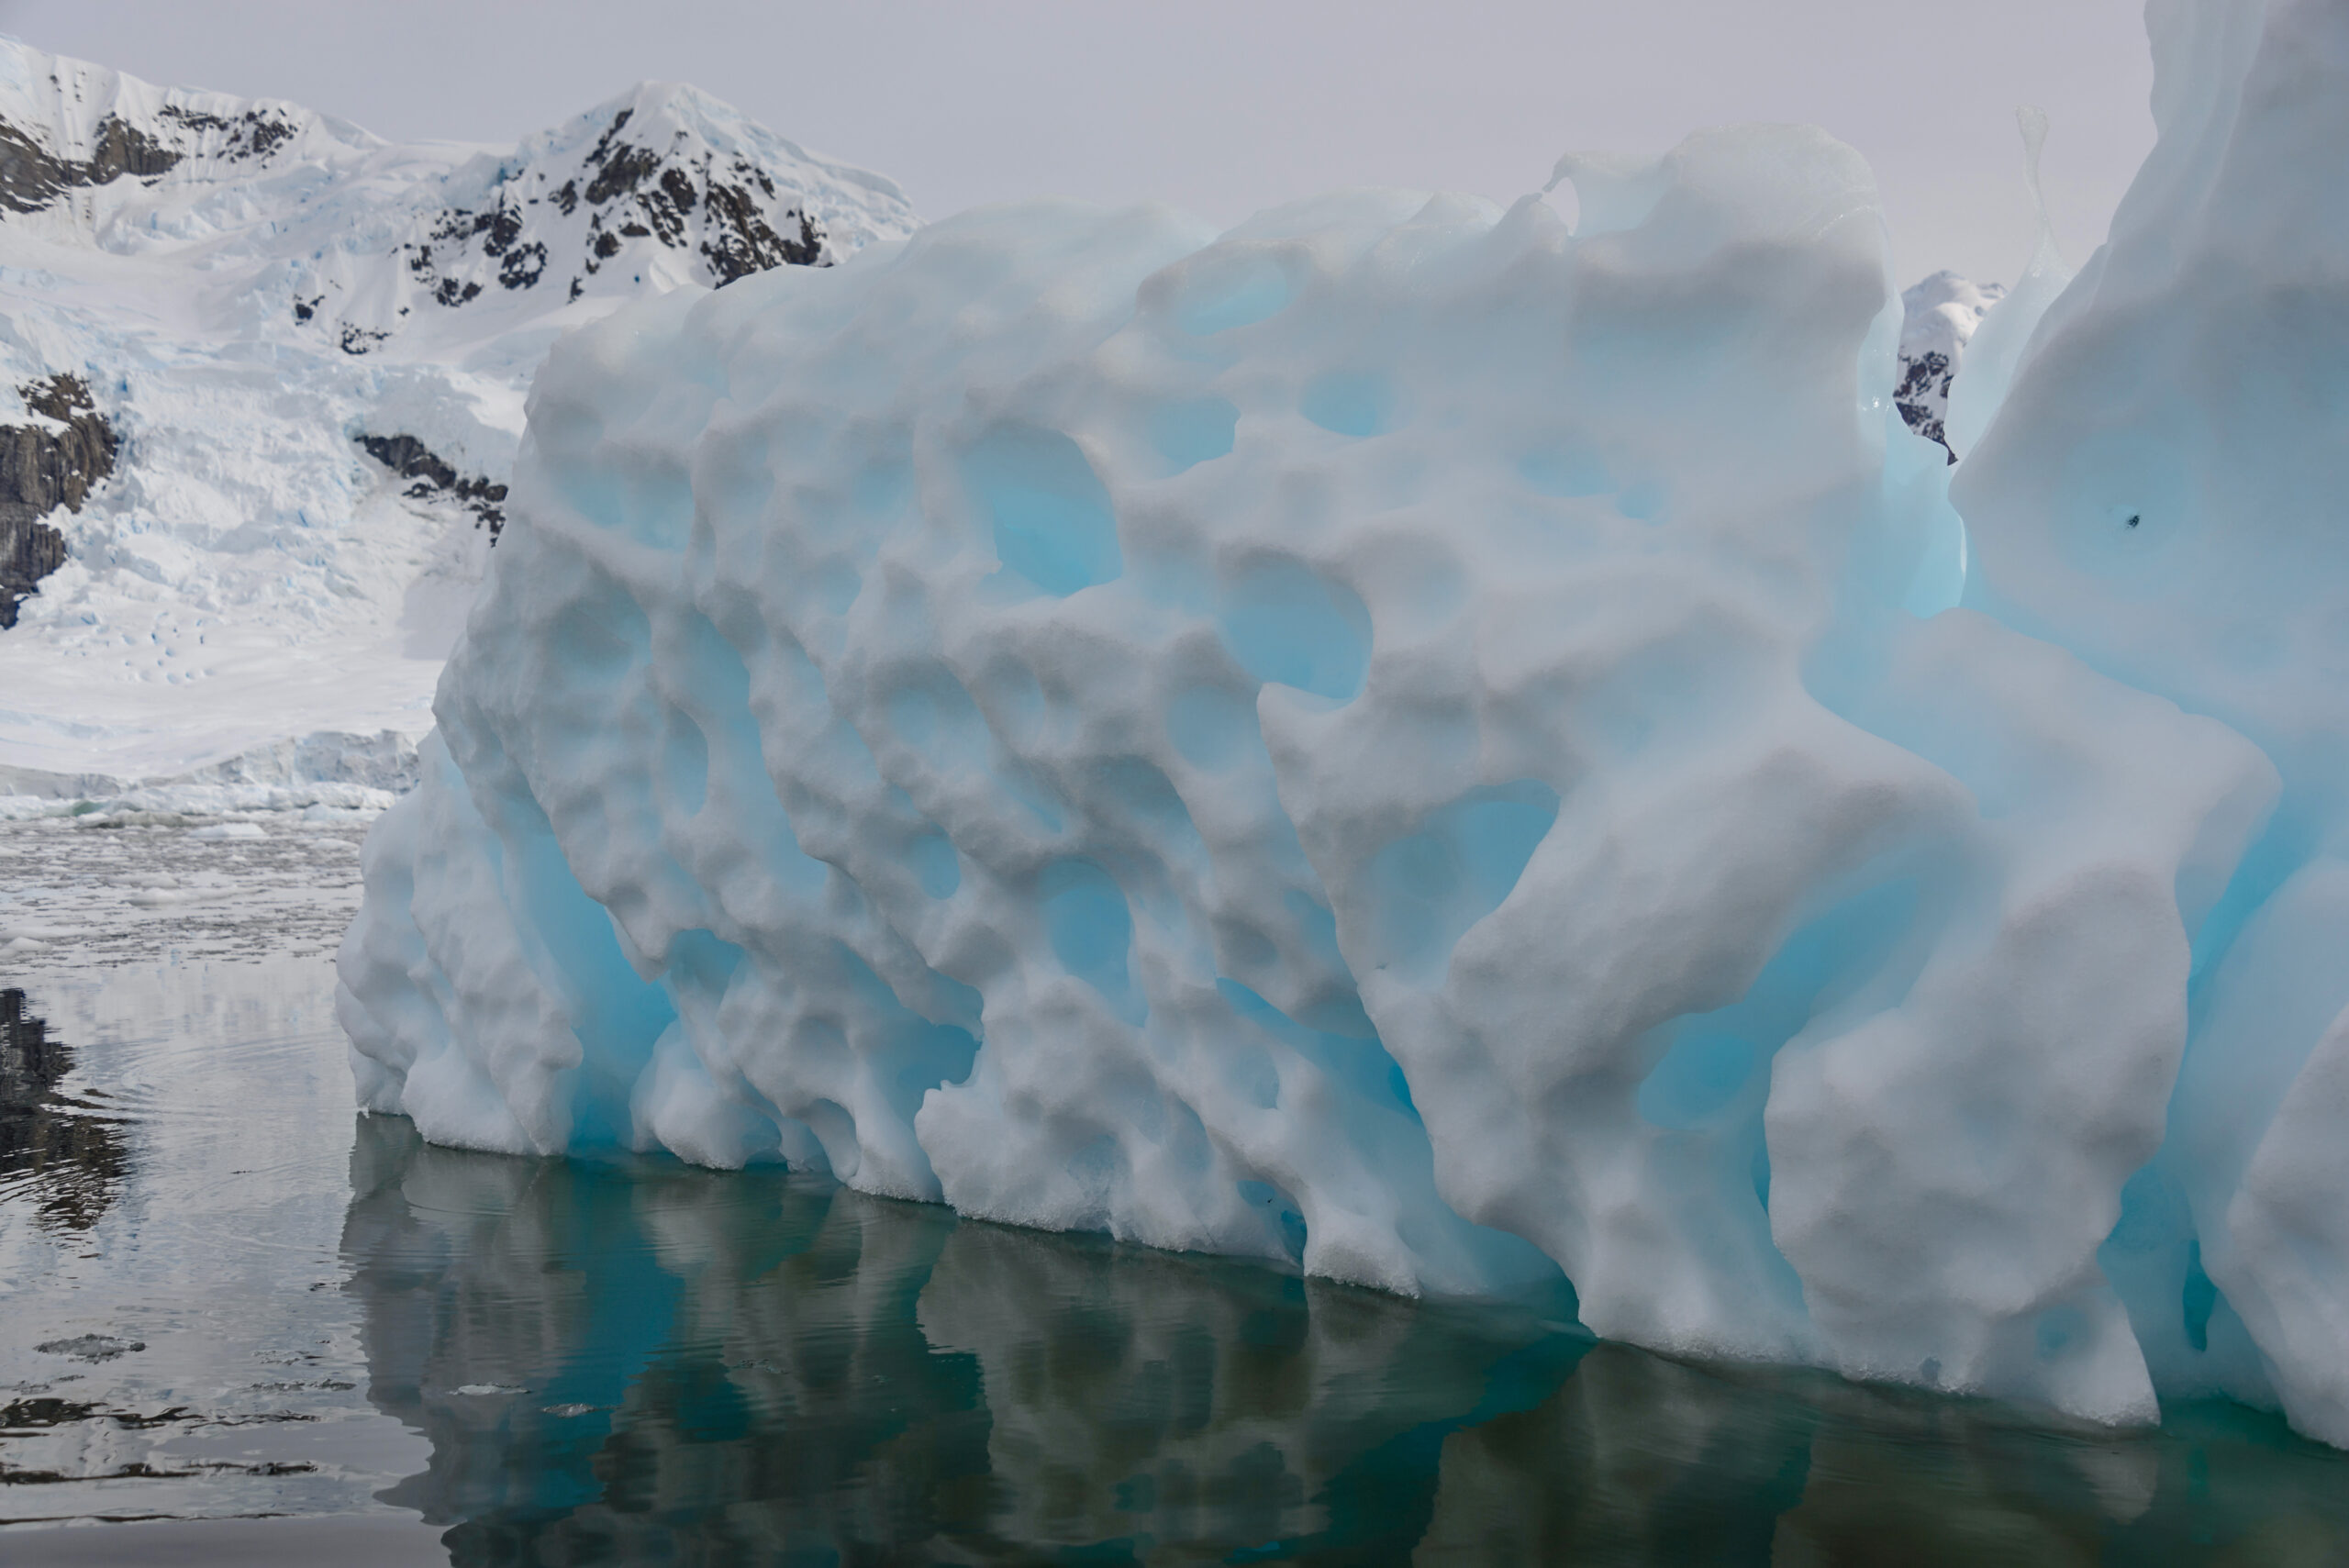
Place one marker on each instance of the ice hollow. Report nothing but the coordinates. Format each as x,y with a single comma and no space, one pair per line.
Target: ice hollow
1405,738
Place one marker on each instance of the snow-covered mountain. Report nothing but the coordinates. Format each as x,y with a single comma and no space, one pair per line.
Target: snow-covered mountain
1938,319
261,377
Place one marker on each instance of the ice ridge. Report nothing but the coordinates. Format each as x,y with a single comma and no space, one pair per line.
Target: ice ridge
1407,740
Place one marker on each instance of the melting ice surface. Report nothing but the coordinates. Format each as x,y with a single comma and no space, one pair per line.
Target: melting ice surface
1455,752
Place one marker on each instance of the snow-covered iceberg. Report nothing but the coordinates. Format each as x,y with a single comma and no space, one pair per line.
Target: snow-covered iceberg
1447,750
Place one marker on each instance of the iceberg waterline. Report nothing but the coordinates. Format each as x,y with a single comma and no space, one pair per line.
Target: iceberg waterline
1406,739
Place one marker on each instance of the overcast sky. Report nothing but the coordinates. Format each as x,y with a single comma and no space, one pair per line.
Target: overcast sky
1224,106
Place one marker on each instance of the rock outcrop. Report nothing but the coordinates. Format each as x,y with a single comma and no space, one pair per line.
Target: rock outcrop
1938,317
52,461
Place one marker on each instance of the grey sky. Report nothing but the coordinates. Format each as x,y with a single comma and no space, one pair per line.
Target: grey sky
1223,107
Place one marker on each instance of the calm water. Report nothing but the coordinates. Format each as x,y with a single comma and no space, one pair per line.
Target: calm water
239,1324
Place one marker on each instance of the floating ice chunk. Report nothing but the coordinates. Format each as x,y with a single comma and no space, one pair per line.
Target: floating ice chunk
1406,740
231,830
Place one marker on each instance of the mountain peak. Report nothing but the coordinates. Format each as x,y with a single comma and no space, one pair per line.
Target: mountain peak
373,242
1939,314
299,354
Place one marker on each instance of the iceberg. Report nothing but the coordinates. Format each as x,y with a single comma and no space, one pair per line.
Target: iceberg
1454,751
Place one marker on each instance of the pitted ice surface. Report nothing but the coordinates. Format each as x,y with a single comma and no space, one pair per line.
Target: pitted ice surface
1407,739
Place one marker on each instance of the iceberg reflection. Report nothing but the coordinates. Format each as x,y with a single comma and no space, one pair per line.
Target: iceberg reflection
636,1361
52,1144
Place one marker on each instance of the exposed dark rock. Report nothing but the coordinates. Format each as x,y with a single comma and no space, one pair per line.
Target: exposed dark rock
31,176
42,469
29,551
740,242
436,477
76,1162
524,265
1939,315
601,155
256,133
195,119
504,227
1924,396
623,169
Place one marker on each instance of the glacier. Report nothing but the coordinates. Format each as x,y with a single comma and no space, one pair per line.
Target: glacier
306,349
1453,750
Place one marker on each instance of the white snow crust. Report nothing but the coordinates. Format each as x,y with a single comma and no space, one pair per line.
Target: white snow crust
1407,740
285,286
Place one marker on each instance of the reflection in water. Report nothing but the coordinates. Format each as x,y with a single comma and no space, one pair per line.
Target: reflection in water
51,1144
174,1342
637,1361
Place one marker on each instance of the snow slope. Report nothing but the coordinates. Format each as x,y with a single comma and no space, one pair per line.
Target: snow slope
251,290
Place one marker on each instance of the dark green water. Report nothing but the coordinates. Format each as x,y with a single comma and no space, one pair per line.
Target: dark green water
780,1371
376,1351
